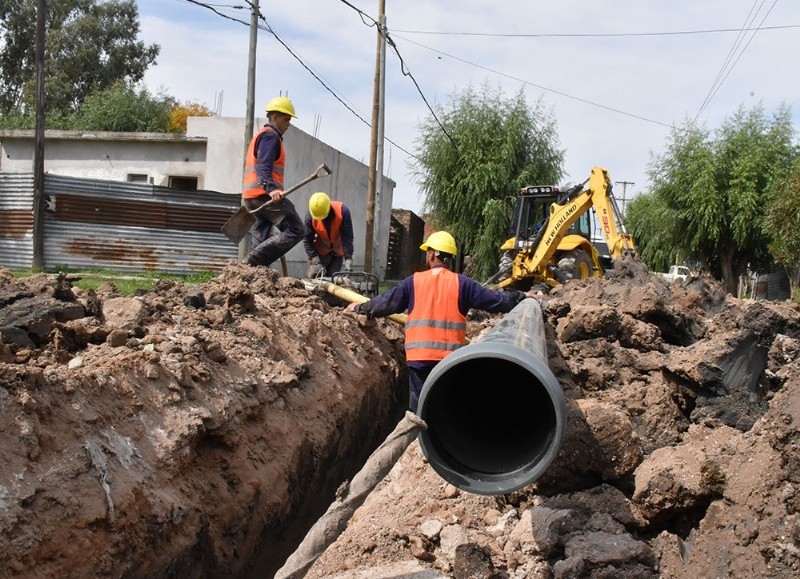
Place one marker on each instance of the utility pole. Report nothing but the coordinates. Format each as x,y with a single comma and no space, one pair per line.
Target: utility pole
38,153
251,89
624,191
376,145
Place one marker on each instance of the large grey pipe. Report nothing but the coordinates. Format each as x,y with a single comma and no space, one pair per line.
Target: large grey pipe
495,411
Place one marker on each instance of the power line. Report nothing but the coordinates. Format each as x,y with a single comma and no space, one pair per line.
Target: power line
544,88
722,75
594,34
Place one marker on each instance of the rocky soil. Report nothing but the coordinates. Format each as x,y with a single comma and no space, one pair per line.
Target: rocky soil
200,431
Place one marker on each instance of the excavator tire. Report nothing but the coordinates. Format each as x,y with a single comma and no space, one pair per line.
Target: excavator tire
575,264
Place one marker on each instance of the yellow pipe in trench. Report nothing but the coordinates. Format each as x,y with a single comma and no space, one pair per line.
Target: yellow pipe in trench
350,296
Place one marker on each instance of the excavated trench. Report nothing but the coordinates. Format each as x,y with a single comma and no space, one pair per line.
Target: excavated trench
182,432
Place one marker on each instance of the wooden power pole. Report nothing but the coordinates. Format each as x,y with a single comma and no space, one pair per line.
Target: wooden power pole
249,120
376,145
38,153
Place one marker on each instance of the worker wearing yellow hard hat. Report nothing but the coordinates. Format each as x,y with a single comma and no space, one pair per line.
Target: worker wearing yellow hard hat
437,301
329,237
278,226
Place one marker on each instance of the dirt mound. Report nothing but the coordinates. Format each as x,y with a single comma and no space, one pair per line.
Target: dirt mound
680,457
189,431
199,432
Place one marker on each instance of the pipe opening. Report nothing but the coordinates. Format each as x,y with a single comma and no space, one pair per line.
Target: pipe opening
493,418
494,425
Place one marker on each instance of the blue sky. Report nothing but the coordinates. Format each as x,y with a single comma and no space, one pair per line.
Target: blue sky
615,75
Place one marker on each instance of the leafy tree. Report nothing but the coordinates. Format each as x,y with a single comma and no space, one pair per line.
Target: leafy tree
652,225
90,45
123,108
710,193
783,223
182,111
471,166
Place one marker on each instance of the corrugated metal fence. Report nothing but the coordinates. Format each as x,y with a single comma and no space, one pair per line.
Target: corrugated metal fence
95,224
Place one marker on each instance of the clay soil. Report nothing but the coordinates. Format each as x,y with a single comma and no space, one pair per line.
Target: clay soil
199,431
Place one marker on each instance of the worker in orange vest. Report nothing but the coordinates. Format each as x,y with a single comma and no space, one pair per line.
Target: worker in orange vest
278,227
329,236
437,301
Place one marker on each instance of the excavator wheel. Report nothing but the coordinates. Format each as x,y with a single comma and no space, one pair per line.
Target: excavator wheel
575,264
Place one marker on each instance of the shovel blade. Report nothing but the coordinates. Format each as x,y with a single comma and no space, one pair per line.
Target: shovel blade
238,225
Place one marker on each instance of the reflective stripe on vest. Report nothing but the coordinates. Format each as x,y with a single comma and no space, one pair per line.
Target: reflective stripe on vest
435,327
323,243
252,186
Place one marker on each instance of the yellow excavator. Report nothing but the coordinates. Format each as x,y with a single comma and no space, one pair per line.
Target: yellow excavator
552,235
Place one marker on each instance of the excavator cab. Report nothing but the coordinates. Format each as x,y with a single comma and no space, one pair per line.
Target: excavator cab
532,211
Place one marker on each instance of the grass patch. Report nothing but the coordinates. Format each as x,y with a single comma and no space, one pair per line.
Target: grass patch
127,284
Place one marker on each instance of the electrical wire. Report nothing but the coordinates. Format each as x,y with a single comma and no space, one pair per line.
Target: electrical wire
594,34
541,87
730,62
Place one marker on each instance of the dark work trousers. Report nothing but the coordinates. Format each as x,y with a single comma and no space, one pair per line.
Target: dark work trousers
417,374
278,228
332,262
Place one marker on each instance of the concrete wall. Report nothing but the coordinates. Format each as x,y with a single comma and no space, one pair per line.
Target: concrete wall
111,156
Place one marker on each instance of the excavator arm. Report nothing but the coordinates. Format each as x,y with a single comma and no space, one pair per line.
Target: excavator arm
608,214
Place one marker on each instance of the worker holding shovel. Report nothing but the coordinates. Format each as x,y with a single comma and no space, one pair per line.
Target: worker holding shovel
278,226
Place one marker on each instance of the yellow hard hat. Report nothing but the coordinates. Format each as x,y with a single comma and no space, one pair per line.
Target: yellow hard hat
440,241
319,205
281,104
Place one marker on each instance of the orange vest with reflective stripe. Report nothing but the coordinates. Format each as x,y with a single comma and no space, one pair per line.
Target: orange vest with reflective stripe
435,327
252,186
323,243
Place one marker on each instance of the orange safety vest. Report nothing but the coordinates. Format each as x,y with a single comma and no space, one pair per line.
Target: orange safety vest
323,242
435,327
252,186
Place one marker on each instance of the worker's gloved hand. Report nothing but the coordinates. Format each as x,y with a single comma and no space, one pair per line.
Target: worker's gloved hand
348,265
315,268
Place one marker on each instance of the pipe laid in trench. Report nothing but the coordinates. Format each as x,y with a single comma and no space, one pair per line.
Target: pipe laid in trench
495,412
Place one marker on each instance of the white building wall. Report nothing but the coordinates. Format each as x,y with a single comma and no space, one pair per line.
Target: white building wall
110,156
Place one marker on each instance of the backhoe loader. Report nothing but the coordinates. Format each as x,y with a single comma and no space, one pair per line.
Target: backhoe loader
552,235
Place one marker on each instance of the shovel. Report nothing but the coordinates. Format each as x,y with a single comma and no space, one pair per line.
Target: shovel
240,222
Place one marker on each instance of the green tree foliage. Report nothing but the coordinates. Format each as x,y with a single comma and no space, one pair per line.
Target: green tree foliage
470,171
710,193
783,223
90,45
123,108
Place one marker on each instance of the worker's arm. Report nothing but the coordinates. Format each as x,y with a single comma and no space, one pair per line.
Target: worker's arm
346,232
308,240
473,295
393,301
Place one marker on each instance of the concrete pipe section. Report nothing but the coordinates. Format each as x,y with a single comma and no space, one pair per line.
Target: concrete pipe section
495,412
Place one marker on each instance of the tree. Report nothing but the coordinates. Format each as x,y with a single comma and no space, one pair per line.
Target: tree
182,111
783,223
123,108
90,45
471,166
710,194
